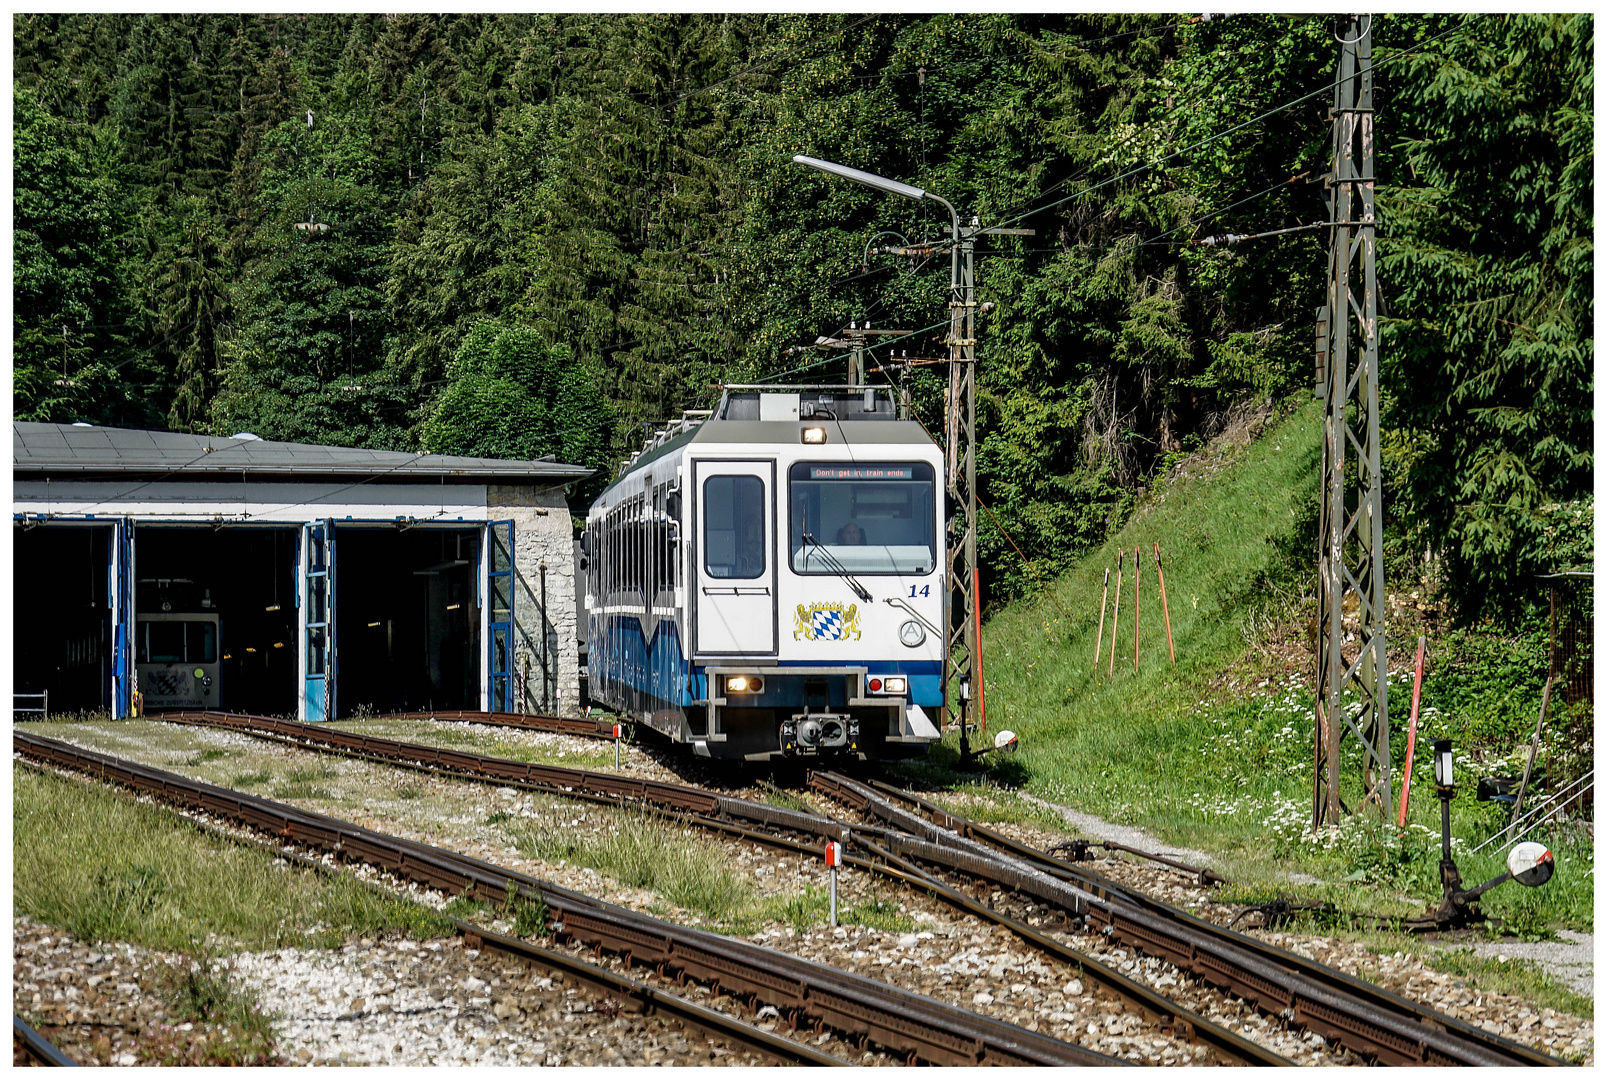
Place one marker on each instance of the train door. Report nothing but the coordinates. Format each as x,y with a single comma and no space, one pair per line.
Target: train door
734,598
317,621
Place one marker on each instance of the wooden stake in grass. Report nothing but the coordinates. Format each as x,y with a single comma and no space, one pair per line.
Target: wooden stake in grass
1115,615
1137,566
1099,638
1166,611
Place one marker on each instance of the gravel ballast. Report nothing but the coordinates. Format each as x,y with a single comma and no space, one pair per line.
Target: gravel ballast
933,949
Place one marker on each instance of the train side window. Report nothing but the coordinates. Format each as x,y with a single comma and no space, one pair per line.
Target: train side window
733,526
201,642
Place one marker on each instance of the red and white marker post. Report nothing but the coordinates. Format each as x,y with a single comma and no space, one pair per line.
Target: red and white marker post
834,859
619,730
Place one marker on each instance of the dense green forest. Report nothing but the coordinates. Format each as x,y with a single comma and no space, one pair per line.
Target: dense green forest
523,235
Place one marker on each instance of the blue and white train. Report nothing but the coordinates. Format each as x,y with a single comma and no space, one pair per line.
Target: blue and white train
766,580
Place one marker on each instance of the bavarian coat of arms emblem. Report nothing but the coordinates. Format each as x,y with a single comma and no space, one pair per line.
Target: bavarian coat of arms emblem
826,622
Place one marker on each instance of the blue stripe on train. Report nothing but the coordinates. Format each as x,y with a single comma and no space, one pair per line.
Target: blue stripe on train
654,670
658,671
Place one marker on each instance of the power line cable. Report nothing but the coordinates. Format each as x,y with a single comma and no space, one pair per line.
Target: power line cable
1226,132
1280,185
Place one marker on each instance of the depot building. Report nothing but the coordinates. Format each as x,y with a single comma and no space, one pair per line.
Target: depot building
161,570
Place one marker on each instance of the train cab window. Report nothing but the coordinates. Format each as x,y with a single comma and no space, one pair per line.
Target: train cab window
162,643
733,526
867,518
177,642
201,642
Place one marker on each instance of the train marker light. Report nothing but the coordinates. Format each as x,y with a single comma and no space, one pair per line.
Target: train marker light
814,436
875,684
834,859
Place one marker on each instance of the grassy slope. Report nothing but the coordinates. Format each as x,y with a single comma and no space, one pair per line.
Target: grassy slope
1127,745
1206,754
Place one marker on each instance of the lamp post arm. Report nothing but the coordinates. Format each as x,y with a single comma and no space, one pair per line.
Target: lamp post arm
954,254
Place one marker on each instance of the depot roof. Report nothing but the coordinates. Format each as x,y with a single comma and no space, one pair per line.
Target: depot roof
82,451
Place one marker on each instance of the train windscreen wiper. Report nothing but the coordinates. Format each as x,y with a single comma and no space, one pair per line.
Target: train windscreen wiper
830,562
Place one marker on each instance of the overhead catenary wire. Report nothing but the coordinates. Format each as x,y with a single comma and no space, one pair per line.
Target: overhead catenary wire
1328,88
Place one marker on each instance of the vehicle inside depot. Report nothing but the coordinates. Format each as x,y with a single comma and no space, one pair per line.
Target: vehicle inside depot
221,602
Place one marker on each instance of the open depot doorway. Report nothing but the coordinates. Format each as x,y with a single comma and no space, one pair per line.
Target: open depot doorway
243,579
61,615
407,619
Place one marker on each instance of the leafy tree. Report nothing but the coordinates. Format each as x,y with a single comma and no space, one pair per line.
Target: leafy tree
468,242
612,199
68,363
513,393
1488,259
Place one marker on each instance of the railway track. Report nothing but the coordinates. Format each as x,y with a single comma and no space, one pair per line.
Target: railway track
1358,1015
581,727
917,1027
36,1046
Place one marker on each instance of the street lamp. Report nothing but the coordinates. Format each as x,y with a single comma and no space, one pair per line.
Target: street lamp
880,183
959,424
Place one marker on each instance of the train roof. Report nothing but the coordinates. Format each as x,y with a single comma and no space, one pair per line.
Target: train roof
782,433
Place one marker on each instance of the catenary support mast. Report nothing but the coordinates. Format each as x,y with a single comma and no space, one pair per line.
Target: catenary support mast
961,440
1351,693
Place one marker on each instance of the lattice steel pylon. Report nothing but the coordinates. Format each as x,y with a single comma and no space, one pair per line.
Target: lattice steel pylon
960,430
1352,688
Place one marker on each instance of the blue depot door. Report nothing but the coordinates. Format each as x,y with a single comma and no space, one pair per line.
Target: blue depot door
498,614
121,592
317,602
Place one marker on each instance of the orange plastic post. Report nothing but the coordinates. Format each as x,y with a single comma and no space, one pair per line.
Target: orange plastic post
1411,734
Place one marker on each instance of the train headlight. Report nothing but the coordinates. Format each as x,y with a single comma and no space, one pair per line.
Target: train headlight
814,436
892,684
743,684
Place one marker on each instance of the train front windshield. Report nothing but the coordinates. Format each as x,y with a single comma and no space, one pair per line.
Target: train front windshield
868,518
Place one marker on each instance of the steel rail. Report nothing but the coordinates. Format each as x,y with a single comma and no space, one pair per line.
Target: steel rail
1181,1022
919,1027
630,995
1377,1021
713,812
556,778
39,1047
581,727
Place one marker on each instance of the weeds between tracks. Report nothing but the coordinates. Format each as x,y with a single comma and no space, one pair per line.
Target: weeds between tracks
106,868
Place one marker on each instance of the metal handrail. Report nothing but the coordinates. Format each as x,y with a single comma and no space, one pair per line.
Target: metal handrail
1527,822
44,703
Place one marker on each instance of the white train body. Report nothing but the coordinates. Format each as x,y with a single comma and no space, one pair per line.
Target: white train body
727,571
